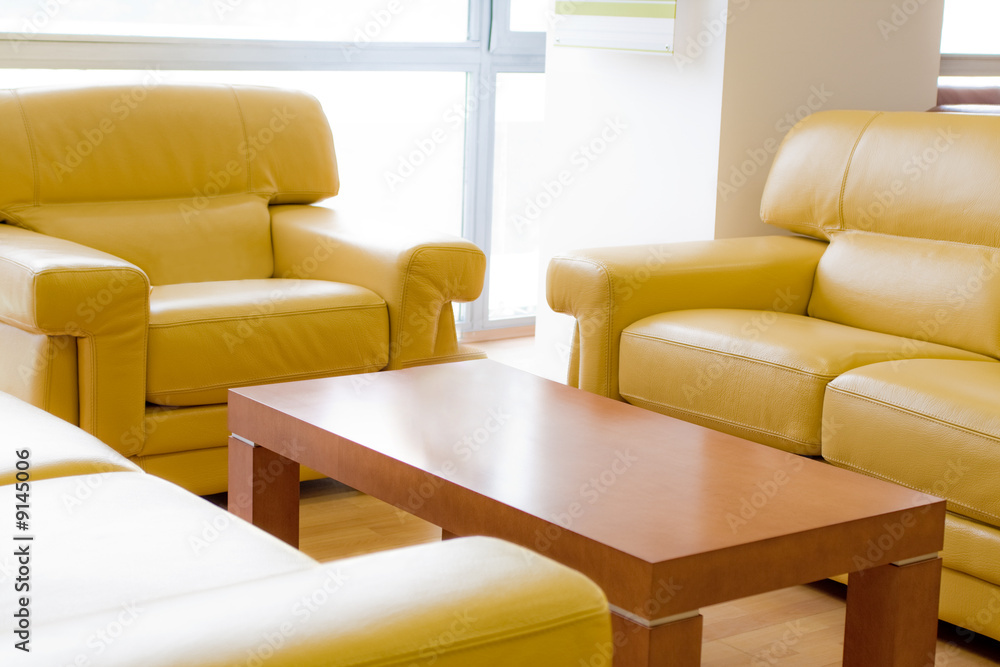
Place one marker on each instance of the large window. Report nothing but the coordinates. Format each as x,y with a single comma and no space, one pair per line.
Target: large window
431,102
970,43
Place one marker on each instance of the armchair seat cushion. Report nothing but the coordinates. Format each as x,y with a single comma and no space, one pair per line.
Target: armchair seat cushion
207,337
928,424
756,374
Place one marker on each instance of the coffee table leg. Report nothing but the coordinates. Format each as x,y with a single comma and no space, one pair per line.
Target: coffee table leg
264,489
676,644
892,615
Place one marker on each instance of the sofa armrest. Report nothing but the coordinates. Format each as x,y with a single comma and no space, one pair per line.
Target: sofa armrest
56,287
475,601
418,274
607,289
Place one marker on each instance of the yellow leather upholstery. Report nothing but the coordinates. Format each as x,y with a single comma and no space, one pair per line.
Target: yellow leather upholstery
229,238
54,287
43,373
910,174
608,289
965,542
207,337
279,141
203,193
418,274
867,281
937,425
123,564
882,357
703,365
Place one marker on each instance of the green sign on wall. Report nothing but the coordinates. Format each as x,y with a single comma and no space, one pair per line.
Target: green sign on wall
627,25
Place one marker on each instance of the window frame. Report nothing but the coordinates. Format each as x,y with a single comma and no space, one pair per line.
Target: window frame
490,48
959,64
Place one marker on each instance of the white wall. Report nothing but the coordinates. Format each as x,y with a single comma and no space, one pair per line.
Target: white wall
656,180
740,66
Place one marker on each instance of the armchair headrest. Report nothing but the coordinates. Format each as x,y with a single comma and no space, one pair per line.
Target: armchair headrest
125,143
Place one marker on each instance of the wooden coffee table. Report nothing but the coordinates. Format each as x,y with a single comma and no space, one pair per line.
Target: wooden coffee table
667,517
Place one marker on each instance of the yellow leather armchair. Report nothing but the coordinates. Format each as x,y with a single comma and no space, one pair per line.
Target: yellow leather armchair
870,338
160,246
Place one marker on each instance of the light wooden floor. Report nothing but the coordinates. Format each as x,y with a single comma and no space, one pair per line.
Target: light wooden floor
800,626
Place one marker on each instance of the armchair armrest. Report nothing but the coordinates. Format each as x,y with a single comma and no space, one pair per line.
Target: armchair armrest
607,289
55,287
418,275
475,601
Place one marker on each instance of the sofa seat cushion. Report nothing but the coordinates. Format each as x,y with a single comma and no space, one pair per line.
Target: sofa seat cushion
114,541
207,337
56,448
756,374
929,424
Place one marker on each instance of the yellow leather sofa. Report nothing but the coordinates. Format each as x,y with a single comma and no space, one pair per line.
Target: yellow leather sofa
126,569
870,337
159,246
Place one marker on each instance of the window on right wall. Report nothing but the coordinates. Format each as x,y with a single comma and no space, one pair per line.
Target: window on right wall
970,43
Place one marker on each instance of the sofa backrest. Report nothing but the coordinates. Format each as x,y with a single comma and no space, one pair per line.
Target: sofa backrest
175,179
910,202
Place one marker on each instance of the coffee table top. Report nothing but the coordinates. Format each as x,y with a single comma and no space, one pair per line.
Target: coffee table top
540,447
652,488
